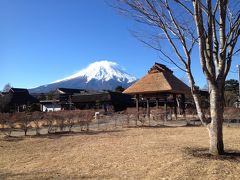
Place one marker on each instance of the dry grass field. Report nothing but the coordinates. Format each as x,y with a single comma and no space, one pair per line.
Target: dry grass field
128,153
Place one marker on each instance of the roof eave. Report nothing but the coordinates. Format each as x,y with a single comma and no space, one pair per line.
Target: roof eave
156,92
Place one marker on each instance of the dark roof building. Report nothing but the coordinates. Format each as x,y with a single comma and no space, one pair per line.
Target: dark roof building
70,91
16,99
19,90
83,99
117,100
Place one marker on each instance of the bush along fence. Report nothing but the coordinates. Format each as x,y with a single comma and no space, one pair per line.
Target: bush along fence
36,123
53,122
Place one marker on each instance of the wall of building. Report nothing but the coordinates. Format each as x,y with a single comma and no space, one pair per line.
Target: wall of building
50,107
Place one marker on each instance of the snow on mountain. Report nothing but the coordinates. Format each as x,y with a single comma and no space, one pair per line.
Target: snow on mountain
97,76
102,70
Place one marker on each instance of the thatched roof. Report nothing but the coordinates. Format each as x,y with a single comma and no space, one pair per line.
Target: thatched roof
159,79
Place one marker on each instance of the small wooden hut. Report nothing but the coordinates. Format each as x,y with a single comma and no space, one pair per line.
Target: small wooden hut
159,82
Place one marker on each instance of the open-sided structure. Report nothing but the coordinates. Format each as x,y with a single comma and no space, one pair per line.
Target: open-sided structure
159,83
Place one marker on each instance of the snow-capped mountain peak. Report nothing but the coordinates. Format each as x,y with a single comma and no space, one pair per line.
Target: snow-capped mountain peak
101,75
102,70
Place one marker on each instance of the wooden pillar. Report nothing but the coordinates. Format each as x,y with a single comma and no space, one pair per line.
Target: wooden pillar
148,110
157,106
178,105
137,108
165,108
175,105
183,105
53,106
70,102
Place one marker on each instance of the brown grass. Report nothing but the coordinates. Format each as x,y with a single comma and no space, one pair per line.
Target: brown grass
129,153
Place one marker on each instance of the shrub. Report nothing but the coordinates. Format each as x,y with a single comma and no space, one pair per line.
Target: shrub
24,120
50,122
37,118
60,121
69,116
84,119
3,119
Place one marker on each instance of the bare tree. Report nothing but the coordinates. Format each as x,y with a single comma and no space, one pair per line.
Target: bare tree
50,122
59,120
214,26
37,118
10,124
7,87
3,119
70,117
85,117
24,120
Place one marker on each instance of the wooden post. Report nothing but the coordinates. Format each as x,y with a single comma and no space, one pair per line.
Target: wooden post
148,111
170,113
157,106
70,102
137,108
183,105
178,104
53,106
165,108
175,105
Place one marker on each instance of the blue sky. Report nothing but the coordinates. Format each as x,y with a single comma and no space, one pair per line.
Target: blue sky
45,40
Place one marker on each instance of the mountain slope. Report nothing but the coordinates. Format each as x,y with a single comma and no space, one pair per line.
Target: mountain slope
97,76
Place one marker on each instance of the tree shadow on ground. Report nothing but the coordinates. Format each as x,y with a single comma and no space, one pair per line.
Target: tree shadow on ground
6,175
203,153
12,138
57,135
194,125
47,175
160,126
152,126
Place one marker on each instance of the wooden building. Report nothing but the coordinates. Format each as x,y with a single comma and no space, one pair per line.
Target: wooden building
50,105
108,100
159,85
60,99
67,99
16,100
64,96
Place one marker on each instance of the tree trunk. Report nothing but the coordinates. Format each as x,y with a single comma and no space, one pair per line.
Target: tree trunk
215,128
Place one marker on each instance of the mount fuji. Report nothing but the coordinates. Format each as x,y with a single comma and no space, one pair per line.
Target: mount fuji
100,75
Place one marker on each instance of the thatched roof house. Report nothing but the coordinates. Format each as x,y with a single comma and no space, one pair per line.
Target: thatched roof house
158,83
159,79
